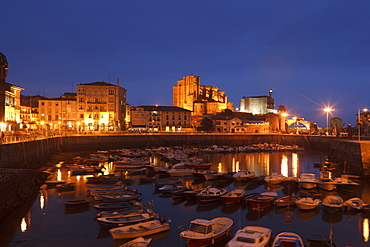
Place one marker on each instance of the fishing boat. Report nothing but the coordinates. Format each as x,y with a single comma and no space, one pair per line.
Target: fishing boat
210,194
263,200
286,201
120,197
203,232
198,165
110,222
119,212
354,203
139,230
307,203
326,182
234,196
170,188
65,187
138,242
345,183
332,203
287,239
307,181
241,176
251,236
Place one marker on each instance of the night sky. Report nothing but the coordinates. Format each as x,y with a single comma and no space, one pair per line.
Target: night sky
311,53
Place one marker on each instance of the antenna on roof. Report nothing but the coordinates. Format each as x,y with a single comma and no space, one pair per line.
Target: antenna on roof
117,82
109,79
72,85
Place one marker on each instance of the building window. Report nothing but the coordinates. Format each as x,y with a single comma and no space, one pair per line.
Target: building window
111,92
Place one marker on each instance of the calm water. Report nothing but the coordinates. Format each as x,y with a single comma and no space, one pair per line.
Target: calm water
47,223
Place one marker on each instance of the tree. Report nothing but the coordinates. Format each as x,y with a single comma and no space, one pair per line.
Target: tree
207,125
281,108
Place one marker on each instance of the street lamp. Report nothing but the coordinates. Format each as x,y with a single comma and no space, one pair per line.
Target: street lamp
327,110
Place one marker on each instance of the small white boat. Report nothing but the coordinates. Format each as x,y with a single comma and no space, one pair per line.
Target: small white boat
243,175
332,203
307,181
179,170
307,203
138,242
286,201
251,236
287,239
207,232
109,222
274,178
354,203
210,194
138,230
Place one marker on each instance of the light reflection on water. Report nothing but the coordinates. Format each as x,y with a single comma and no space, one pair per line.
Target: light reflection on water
80,229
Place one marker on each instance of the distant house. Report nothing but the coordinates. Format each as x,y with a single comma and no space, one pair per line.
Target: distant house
160,118
232,124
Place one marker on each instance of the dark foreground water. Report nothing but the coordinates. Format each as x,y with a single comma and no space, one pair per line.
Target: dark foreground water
48,224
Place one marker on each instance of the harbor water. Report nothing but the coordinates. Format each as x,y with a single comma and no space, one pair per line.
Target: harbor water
47,223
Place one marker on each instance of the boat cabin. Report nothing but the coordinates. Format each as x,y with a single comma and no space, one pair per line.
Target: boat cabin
251,237
201,226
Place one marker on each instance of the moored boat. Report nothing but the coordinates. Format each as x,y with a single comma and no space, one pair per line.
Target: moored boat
287,239
263,200
286,201
138,242
76,204
138,230
179,170
251,236
307,181
203,232
234,196
326,182
354,203
110,222
345,183
332,203
274,178
243,175
307,203
210,194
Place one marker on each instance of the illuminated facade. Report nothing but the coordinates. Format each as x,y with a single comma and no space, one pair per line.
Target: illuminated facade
160,118
258,104
58,114
12,106
201,100
101,106
30,111
237,125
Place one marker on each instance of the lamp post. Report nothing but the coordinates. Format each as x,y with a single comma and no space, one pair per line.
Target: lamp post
359,122
327,110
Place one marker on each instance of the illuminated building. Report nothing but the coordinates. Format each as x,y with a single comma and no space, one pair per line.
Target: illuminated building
201,100
58,113
160,118
30,111
12,106
3,74
258,104
101,106
236,125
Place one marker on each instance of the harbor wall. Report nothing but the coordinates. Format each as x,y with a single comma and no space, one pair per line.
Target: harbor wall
18,186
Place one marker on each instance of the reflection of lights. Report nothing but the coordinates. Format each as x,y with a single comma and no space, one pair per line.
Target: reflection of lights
237,166
365,229
42,200
284,166
219,167
23,225
294,165
59,175
78,178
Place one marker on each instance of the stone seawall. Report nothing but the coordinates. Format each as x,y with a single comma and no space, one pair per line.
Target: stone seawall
28,155
17,187
353,155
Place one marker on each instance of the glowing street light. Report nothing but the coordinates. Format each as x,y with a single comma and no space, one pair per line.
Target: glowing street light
327,110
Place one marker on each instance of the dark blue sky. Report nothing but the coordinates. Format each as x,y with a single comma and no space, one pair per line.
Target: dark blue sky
311,53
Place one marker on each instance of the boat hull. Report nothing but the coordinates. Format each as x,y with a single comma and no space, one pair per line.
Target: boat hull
208,241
